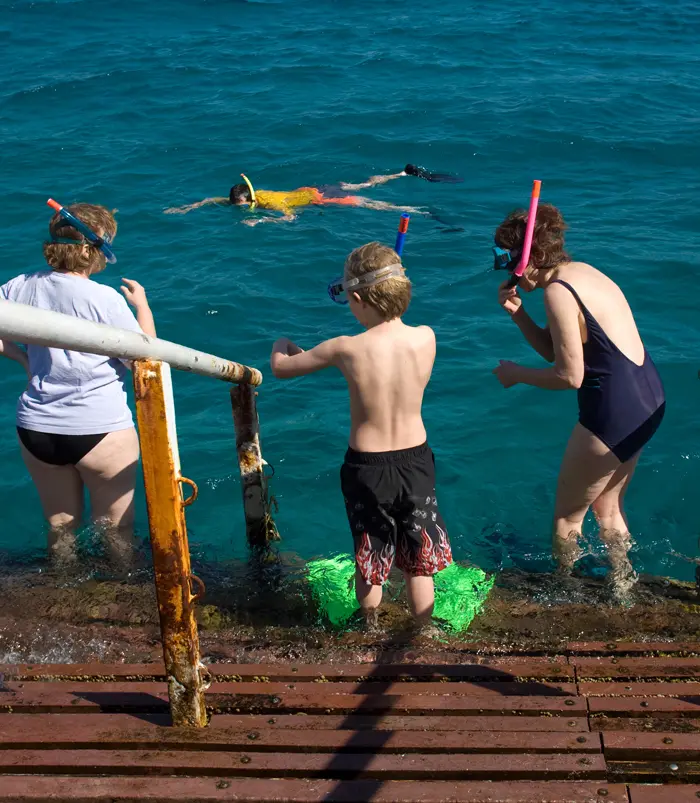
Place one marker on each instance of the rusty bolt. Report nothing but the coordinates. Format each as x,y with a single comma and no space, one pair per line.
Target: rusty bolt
294,669
581,739
668,740
584,761
276,700
223,785
644,704
614,661
568,702
603,792
253,736
246,759
648,724
611,646
573,723
271,721
628,688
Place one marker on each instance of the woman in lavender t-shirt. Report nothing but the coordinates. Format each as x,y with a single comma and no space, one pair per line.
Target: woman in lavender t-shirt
75,427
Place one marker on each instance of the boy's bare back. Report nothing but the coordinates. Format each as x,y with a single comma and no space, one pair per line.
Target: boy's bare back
387,369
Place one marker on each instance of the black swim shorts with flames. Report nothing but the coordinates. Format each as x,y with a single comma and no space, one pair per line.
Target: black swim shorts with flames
393,513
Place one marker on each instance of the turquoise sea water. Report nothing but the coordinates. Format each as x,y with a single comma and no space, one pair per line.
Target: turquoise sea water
142,106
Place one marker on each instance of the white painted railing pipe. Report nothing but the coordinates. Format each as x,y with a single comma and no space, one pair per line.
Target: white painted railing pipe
26,324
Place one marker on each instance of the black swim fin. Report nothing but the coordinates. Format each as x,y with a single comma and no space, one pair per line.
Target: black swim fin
421,172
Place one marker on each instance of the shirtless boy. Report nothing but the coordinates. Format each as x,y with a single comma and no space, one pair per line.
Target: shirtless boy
388,477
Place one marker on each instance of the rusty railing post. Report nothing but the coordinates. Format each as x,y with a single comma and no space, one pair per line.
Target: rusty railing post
260,529
171,558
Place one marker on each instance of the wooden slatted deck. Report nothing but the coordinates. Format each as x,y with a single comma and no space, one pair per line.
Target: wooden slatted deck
615,723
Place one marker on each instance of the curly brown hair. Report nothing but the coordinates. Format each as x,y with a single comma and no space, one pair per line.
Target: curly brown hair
77,258
392,296
547,241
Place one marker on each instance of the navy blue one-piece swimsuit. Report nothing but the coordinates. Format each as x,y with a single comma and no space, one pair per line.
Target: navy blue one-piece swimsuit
620,402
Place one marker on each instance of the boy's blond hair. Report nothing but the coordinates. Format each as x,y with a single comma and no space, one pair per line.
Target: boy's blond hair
389,298
74,258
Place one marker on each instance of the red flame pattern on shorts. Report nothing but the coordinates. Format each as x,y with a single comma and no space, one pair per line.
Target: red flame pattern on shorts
432,556
374,564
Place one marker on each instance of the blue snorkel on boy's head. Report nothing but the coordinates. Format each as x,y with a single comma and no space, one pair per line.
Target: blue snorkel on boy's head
80,238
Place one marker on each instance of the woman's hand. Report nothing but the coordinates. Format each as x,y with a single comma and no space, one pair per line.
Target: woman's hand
509,299
507,373
134,293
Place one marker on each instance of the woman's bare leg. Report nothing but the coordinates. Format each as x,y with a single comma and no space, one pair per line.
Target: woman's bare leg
61,494
587,468
372,181
383,206
614,528
421,597
109,474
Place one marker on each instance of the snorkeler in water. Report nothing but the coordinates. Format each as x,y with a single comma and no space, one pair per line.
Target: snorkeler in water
244,194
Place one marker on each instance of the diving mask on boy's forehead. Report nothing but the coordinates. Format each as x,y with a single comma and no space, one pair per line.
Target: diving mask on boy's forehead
339,287
504,259
104,243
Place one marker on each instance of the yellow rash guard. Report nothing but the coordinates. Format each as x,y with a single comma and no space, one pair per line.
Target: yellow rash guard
285,202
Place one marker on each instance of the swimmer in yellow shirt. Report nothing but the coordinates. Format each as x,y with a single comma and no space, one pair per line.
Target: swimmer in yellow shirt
287,202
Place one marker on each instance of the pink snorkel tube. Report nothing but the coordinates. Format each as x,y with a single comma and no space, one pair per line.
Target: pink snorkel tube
529,231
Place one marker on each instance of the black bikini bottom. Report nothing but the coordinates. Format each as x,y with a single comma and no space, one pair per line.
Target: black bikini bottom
58,450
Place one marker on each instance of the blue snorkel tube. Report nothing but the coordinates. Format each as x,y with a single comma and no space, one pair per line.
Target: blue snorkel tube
94,239
401,235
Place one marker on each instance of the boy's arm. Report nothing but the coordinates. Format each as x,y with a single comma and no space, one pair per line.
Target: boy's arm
13,352
182,210
288,360
136,296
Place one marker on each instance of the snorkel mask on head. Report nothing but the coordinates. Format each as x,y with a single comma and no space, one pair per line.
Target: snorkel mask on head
253,202
505,259
337,288
103,243
517,264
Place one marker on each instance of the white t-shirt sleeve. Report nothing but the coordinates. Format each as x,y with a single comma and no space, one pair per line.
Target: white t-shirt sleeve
121,316
6,291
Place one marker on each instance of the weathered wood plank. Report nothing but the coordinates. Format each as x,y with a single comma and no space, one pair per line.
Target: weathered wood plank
669,771
650,746
50,731
214,790
663,723
632,668
664,794
661,648
418,705
46,697
651,689
647,706
304,765
81,672
473,668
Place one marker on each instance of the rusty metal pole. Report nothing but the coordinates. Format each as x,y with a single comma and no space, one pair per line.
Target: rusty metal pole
171,558
260,529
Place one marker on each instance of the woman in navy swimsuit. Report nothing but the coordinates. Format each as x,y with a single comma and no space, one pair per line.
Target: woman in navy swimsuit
592,340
